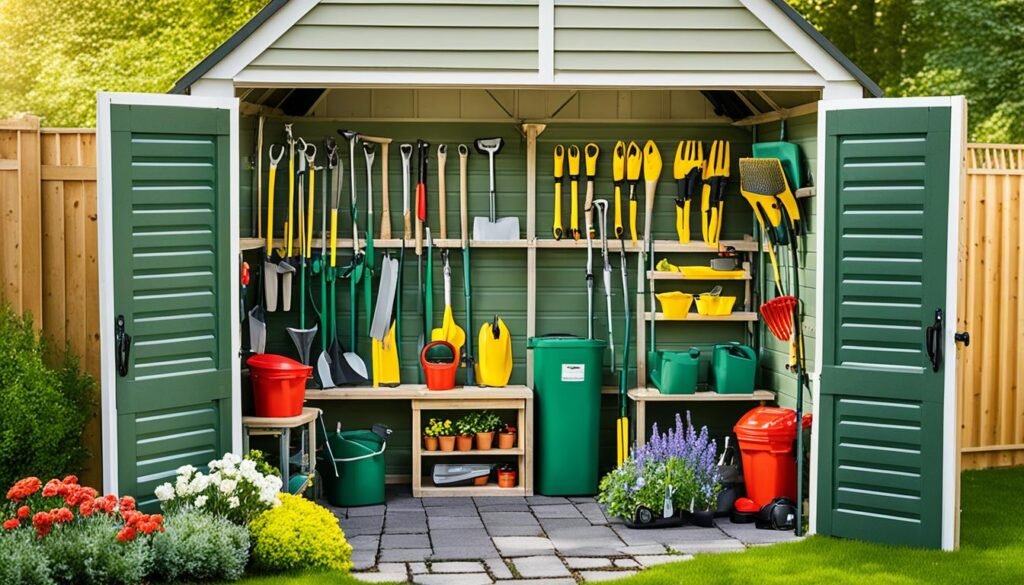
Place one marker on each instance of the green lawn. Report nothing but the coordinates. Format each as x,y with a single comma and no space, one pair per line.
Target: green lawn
992,553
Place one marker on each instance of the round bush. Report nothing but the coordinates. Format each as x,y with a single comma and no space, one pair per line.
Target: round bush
197,546
21,562
43,410
299,535
88,552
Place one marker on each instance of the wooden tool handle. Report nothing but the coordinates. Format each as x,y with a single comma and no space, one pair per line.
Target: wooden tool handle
464,193
442,157
374,139
385,206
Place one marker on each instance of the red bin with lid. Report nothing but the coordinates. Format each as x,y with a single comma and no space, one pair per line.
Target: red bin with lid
766,436
278,385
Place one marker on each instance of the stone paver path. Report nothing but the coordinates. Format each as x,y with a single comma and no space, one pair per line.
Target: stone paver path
511,540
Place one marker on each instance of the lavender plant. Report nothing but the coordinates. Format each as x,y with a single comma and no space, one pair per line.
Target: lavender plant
681,457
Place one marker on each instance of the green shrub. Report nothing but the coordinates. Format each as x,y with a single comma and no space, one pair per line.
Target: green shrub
88,552
21,562
197,546
299,535
43,410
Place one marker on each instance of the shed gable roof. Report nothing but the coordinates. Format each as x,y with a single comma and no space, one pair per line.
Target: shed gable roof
713,43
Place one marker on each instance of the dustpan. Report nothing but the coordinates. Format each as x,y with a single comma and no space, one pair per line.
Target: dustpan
788,154
492,228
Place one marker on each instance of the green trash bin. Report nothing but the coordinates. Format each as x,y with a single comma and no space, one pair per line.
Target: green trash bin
567,389
353,471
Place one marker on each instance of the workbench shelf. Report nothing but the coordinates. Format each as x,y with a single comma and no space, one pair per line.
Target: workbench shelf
735,316
344,245
642,396
474,452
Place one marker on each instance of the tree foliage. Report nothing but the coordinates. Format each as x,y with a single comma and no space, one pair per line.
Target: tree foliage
56,54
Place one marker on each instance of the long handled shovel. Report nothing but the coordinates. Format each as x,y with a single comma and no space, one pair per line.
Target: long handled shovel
301,336
323,362
622,425
422,155
602,214
464,221
286,267
368,260
269,282
385,360
449,330
492,228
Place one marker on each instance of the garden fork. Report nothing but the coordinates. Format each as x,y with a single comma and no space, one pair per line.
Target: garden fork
687,171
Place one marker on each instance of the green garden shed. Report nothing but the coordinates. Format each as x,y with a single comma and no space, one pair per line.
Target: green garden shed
179,175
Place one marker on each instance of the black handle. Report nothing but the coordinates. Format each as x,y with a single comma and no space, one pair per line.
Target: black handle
962,337
122,346
933,341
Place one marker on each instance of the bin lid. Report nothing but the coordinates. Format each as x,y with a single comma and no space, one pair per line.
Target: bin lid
270,361
563,340
767,423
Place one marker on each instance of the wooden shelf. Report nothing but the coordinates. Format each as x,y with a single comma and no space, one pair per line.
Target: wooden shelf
471,490
345,244
653,395
659,275
420,392
739,316
473,452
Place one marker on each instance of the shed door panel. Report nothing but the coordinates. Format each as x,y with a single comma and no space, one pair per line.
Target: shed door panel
171,265
887,197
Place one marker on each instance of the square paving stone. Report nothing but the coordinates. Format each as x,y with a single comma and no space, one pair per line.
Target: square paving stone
545,566
403,526
463,567
643,549
363,525
432,502
750,534
652,560
393,555
404,541
464,579
492,500
542,500
443,522
708,546
463,553
668,535
339,513
582,499
498,568
450,537
627,564
361,562
587,563
417,568
523,546
598,576
503,507
366,511
535,530
508,519
593,513
556,511
365,543
550,524
451,511
392,568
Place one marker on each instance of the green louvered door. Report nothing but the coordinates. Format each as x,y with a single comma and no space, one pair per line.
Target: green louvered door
884,426
172,267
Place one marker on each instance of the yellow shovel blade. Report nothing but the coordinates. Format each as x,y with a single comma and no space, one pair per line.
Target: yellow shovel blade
494,364
449,331
386,369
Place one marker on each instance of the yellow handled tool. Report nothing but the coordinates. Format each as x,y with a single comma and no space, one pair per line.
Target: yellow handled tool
634,160
574,191
687,171
619,178
310,153
270,196
590,153
559,174
290,224
652,172
716,179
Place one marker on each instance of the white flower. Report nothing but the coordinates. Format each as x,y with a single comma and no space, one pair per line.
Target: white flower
247,466
233,502
228,486
186,470
201,501
164,492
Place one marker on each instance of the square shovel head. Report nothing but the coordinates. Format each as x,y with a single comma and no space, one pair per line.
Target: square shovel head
504,228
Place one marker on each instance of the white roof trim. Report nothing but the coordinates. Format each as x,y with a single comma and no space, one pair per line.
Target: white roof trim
261,39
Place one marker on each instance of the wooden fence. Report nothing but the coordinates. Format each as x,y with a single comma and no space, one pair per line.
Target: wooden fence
48,247
991,375
48,266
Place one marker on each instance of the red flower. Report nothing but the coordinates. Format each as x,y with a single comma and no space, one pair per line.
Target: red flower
23,512
71,479
106,503
43,521
87,507
11,524
127,503
51,488
62,515
23,488
78,494
126,534
158,518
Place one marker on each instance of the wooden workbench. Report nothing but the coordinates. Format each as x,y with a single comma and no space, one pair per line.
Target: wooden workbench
641,396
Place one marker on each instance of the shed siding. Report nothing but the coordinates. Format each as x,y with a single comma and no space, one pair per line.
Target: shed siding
676,36
459,35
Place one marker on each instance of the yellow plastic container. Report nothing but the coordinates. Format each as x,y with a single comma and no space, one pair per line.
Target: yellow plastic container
711,306
675,304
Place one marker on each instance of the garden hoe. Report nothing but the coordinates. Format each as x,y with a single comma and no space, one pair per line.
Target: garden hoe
301,336
286,267
368,257
602,218
559,159
590,153
622,426
385,203
687,171
574,191
619,180
492,228
634,164
468,360
712,202
270,267
652,172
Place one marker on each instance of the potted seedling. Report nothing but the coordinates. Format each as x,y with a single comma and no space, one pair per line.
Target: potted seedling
507,437
486,425
465,428
507,476
434,431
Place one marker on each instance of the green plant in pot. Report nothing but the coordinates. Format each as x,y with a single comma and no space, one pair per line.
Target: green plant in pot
465,429
487,424
435,431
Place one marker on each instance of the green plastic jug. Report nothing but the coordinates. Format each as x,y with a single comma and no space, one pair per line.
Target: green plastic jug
678,372
733,368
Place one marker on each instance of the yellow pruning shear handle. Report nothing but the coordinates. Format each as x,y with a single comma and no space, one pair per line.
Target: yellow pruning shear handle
559,173
634,162
716,179
618,177
590,152
687,171
574,190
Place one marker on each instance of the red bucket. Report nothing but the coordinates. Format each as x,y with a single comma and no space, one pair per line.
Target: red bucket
278,385
439,375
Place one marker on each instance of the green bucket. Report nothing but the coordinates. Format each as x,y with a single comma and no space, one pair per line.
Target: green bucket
353,471
678,372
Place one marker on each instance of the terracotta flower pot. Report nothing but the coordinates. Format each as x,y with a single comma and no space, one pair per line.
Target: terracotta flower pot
447,443
507,479
481,480
464,442
430,443
484,441
506,440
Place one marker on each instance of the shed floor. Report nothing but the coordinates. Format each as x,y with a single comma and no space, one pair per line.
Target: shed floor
466,541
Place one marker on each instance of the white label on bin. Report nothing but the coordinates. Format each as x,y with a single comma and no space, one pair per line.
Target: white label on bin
573,372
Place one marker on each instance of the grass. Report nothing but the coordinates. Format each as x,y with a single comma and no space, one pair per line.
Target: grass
992,553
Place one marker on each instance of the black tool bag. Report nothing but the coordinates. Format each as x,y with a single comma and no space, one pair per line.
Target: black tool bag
779,514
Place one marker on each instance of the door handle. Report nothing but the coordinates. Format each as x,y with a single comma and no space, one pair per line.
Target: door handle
962,337
122,346
933,340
